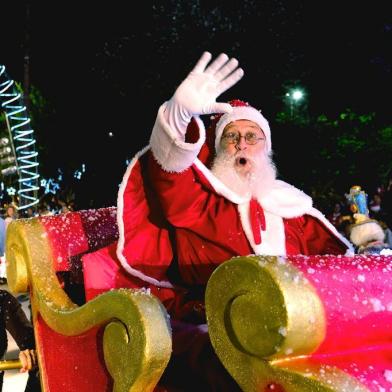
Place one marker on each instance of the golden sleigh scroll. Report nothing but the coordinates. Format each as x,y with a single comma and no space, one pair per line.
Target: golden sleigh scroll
137,336
259,311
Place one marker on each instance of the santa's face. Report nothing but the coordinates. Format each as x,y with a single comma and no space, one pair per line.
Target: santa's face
243,140
243,163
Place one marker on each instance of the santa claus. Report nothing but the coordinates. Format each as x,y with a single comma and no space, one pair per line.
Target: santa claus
195,198
209,196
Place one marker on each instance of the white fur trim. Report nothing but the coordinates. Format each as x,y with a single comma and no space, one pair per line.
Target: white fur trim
120,223
273,238
169,149
285,200
243,113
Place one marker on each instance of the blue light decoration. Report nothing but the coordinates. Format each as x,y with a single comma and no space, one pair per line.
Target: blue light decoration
50,186
11,191
53,186
78,173
23,140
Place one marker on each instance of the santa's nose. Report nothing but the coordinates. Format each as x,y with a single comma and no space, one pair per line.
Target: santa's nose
241,144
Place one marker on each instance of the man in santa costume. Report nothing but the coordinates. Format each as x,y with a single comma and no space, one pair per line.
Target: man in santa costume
195,198
199,210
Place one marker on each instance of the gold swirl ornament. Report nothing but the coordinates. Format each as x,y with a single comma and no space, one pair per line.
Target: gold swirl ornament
265,319
137,335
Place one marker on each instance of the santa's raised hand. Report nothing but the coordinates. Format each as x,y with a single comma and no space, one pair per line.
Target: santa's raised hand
197,94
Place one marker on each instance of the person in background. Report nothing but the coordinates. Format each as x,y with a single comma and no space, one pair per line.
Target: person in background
386,202
13,319
375,210
386,208
29,213
11,213
366,232
43,210
3,274
336,216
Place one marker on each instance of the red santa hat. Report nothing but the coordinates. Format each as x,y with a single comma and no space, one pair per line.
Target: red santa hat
241,111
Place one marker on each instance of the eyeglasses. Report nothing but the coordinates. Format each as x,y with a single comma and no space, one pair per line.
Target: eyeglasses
235,137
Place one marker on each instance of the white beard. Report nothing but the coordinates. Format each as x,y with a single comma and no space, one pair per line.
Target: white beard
256,182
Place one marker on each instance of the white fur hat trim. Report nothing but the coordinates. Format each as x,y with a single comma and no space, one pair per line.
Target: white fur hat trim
243,113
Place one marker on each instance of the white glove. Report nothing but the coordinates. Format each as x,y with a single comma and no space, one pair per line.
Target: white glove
197,94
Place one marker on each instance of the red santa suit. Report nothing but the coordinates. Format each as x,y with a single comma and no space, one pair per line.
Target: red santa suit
204,223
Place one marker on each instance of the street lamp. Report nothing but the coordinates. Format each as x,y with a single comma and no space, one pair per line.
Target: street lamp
294,96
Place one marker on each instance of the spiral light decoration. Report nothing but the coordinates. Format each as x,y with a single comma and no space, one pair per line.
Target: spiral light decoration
23,140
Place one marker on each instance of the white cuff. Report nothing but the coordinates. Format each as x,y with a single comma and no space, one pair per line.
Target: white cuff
173,154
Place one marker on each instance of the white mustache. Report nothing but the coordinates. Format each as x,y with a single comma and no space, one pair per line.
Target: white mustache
259,179
242,155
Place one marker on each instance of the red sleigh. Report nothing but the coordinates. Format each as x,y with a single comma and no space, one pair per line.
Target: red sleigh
320,323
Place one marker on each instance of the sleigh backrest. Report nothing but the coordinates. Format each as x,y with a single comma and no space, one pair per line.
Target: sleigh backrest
119,341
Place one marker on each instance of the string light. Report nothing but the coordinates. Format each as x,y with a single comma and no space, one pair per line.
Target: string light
26,165
23,140
11,191
50,186
78,173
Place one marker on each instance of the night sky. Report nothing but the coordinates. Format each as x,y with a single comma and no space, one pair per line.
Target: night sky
101,72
